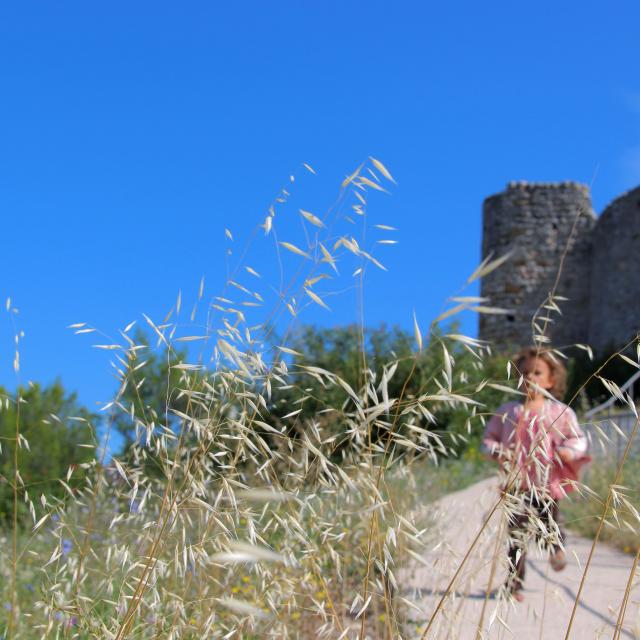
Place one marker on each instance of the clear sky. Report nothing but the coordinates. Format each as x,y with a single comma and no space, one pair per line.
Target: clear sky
133,133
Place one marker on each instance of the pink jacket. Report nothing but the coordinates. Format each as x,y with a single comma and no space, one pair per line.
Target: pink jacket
528,435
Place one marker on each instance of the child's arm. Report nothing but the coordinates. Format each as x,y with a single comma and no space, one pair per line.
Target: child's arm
492,446
573,444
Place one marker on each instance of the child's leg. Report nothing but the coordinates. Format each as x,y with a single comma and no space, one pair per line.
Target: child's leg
517,564
553,538
555,514
549,514
517,550
557,558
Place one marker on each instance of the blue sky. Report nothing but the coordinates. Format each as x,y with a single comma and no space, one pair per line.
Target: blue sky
134,133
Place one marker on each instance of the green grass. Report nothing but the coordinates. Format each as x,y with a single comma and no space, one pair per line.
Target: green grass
582,512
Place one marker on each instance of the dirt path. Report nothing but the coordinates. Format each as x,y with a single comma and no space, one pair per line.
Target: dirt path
549,596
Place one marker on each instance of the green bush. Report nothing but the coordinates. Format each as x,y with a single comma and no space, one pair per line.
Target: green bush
52,426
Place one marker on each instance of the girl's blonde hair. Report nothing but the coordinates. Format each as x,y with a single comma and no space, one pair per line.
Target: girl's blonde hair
558,370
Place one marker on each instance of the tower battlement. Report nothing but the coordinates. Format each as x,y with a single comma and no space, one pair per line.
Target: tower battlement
535,221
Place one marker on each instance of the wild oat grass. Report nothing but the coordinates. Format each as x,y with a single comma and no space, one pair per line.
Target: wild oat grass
222,523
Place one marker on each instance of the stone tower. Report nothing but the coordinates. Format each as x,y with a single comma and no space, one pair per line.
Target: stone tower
615,285
534,221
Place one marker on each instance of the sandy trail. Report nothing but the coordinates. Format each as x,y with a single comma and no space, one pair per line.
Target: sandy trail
549,595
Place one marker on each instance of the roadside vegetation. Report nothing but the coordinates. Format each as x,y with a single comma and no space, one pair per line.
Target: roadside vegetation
583,511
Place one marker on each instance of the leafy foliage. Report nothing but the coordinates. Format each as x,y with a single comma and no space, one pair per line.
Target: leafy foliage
389,354
581,368
52,426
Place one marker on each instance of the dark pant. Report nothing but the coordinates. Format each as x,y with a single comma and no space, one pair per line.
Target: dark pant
533,518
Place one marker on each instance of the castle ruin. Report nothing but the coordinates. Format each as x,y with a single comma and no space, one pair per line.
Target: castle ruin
544,225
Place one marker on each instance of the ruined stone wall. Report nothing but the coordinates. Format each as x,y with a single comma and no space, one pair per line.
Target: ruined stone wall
535,221
615,285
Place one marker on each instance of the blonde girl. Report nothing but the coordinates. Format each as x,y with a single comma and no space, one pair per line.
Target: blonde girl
541,448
